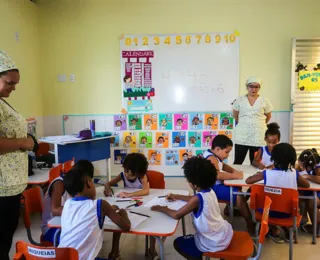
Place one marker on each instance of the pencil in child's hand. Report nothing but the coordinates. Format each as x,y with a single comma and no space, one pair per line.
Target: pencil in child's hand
123,200
112,192
164,196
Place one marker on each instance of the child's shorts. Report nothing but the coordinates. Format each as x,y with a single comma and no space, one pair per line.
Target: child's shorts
223,192
187,246
310,193
49,235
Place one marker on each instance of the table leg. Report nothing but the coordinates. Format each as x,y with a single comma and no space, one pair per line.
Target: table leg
314,223
56,156
109,168
183,226
231,205
55,238
161,247
146,246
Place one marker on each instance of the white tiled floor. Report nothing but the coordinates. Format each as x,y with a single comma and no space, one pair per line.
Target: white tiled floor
132,246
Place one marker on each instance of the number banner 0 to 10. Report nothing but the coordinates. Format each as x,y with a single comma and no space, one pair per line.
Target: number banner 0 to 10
180,39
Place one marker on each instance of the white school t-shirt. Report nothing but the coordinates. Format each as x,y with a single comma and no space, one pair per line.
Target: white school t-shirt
213,232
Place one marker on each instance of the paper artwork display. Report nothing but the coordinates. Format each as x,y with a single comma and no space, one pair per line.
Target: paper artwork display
172,157
154,157
137,74
196,121
226,121
32,126
135,122
227,133
120,122
207,137
165,121
162,139
119,156
178,139
211,121
150,122
185,154
194,139
181,121
199,153
145,139
136,151
129,139
115,140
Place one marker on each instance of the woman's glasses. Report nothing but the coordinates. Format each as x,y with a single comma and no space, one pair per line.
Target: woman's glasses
254,86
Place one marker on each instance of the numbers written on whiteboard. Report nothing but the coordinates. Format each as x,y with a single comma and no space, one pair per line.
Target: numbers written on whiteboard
180,39
207,89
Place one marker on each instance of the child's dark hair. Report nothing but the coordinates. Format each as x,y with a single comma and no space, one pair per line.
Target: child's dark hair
75,180
84,165
221,141
273,129
309,158
200,172
137,163
284,156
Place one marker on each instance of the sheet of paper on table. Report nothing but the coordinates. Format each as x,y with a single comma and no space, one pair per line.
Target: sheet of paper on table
174,205
127,190
135,220
61,138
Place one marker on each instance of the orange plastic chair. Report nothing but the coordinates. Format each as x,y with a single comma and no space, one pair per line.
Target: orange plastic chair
55,172
156,180
33,203
43,148
66,166
241,246
285,201
26,251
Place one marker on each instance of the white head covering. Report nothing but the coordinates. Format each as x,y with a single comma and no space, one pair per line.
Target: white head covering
254,80
6,63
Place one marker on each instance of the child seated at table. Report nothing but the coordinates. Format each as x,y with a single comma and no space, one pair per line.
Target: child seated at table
54,200
83,215
220,150
282,176
135,166
262,158
213,233
308,167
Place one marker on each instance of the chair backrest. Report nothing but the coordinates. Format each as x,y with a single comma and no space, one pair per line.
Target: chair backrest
55,172
32,203
26,251
43,149
66,166
264,221
156,180
283,200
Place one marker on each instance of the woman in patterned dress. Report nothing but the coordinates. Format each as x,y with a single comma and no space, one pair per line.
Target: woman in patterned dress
14,145
251,113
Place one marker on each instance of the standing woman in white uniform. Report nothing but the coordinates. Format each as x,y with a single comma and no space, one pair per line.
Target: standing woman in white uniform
14,145
251,113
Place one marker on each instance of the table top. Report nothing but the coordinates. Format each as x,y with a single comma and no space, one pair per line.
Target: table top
159,224
41,176
61,142
249,170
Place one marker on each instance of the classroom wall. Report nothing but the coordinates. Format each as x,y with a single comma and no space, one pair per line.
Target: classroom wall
22,17
82,37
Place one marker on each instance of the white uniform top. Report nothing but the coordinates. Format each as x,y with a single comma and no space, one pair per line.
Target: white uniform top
208,154
282,179
136,184
213,232
81,224
47,214
265,156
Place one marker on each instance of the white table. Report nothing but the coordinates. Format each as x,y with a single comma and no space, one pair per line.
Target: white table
159,225
40,176
249,171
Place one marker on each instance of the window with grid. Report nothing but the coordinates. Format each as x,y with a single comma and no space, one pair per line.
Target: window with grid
305,115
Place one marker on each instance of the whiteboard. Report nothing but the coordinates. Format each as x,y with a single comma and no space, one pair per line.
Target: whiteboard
189,72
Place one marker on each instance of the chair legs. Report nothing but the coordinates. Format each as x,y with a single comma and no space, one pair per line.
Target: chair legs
291,244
